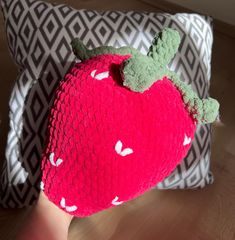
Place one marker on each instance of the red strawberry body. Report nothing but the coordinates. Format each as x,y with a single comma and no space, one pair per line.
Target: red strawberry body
107,144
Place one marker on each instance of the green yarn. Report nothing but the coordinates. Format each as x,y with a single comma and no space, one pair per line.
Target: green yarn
139,72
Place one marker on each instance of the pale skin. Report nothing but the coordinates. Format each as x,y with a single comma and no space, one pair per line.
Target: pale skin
45,221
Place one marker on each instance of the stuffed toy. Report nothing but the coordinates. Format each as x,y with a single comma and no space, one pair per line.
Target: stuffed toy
121,122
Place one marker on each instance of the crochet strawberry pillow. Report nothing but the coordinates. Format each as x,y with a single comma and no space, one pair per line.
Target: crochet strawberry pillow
121,122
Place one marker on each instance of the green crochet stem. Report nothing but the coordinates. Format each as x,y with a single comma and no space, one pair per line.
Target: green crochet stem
164,46
140,71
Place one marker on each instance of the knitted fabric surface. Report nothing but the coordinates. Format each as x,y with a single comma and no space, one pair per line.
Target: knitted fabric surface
112,138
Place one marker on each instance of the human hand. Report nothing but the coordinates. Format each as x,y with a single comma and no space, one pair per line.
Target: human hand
45,221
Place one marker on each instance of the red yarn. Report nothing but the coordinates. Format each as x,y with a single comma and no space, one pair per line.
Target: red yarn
107,144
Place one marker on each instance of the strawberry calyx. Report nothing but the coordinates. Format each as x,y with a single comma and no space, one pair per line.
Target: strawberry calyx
139,72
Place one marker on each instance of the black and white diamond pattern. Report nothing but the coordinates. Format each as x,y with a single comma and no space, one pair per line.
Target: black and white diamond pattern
39,36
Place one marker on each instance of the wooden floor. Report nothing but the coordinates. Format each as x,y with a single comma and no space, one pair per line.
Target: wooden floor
207,214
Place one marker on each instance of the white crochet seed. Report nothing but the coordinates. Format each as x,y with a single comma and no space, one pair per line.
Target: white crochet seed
115,202
122,152
62,202
53,163
99,76
42,185
67,208
187,140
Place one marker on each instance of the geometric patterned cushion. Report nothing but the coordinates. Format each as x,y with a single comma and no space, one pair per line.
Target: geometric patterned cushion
39,36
